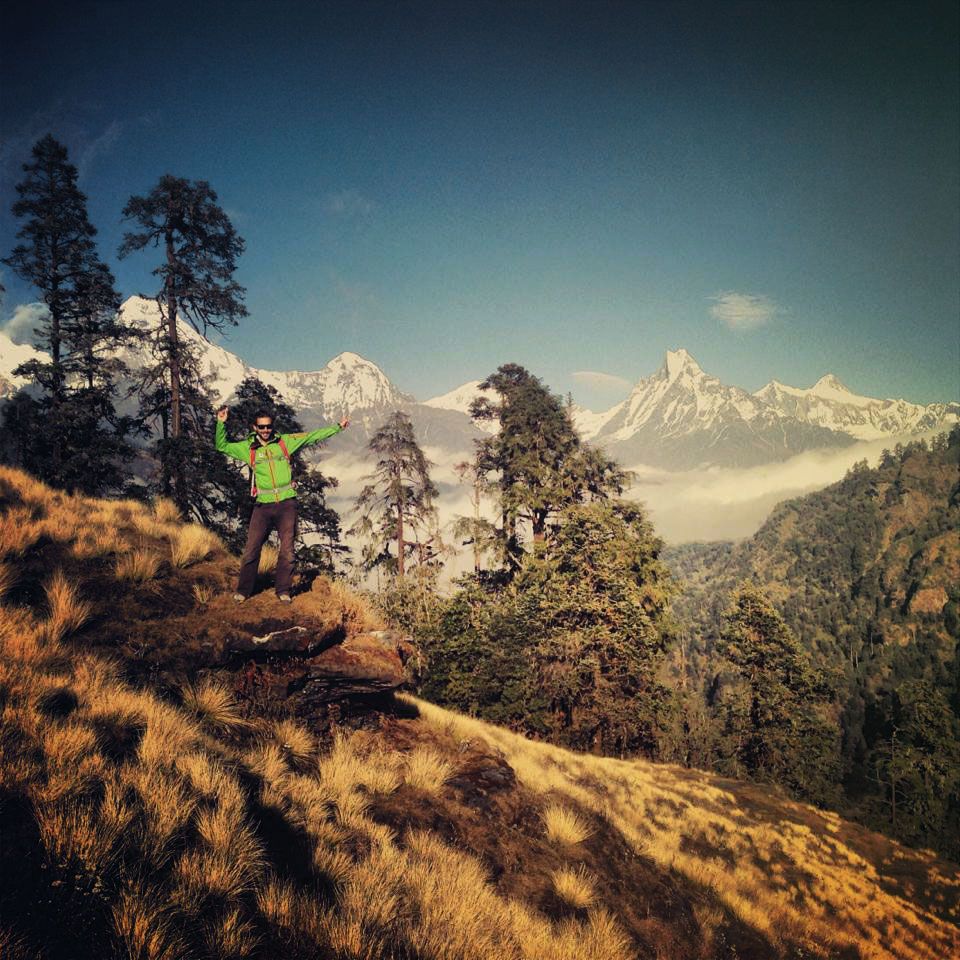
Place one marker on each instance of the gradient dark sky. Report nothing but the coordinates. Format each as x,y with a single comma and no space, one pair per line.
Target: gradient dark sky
447,187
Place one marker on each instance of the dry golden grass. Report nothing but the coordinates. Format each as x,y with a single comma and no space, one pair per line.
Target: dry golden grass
145,926
564,825
187,806
296,741
192,543
269,556
101,543
213,704
67,612
165,510
18,531
227,864
8,577
427,770
138,566
352,610
574,886
202,593
230,937
831,897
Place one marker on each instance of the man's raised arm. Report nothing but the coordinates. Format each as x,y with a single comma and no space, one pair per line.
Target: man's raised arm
295,441
239,450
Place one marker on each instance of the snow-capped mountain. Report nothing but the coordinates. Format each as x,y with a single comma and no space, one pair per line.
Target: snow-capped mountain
459,399
11,356
681,417
347,384
828,403
678,418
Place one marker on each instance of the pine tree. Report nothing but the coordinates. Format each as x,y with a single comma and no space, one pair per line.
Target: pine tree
782,735
536,457
595,598
200,250
397,505
70,435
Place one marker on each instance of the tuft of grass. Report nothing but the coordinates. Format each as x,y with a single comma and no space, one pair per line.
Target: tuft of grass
8,577
296,741
229,860
574,886
139,566
192,543
563,825
144,923
213,704
166,511
67,612
92,544
202,593
18,531
426,770
269,556
230,936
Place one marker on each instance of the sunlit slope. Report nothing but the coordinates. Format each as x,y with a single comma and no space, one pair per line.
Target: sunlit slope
147,814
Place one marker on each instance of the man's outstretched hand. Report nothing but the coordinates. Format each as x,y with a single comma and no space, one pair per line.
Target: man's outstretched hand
344,423
222,414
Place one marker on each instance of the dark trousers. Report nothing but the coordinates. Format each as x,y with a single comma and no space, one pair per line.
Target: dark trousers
266,517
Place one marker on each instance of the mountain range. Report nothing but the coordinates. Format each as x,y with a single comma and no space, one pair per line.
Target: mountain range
678,418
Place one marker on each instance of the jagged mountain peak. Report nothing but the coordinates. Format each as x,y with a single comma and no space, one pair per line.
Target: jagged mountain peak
677,362
830,384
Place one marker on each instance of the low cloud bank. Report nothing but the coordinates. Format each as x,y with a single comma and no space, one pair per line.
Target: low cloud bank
719,503
709,504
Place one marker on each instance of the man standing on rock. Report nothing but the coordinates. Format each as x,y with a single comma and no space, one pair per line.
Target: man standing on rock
271,484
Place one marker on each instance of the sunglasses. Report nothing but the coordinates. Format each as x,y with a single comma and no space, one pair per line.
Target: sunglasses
263,426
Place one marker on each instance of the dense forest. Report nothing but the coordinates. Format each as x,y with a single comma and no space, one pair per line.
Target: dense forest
866,574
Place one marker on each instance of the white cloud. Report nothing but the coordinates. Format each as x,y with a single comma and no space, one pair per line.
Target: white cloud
26,317
743,311
601,381
348,203
725,503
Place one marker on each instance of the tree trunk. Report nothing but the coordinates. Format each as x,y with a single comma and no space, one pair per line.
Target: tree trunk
173,343
400,543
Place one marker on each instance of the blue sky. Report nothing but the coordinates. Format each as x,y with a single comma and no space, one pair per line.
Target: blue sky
576,187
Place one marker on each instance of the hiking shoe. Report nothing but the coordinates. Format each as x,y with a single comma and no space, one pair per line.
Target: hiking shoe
239,597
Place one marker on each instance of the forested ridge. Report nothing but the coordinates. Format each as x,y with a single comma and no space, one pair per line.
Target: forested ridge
866,573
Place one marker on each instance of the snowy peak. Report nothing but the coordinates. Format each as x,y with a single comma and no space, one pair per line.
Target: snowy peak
830,388
346,384
459,398
678,362
832,405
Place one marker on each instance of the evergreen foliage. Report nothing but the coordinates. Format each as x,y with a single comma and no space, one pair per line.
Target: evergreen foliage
200,249
866,575
396,506
535,462
778,734
569,647
68,433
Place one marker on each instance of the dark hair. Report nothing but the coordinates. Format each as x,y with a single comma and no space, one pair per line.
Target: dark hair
262,413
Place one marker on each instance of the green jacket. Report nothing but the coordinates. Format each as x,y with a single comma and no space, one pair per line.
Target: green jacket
272,474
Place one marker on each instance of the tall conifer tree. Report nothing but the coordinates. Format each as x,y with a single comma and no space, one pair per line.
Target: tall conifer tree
536,456
200,248
398,502
70,435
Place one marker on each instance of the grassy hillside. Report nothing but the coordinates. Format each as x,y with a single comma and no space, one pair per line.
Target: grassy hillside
150,811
